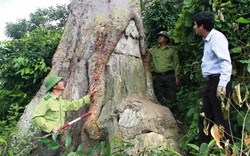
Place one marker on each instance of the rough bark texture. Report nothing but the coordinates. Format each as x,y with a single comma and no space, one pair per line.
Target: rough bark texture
103,43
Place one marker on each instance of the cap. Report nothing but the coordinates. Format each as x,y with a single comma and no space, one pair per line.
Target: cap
164,33
51,81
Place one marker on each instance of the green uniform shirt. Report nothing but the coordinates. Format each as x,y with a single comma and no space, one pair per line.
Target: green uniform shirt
164,60
50,111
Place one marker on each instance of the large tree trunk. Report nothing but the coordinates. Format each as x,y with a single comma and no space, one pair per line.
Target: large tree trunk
103,43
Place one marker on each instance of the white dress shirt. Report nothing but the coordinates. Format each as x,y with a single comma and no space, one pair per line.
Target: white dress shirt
216,58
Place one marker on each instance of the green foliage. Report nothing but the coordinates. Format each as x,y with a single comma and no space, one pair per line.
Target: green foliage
52,18
4,147
53,144
189,99
24,63
117,147
206,149
240,144
18,29
158,151
157,17
26,60
231,19
10,147
241,99
68,141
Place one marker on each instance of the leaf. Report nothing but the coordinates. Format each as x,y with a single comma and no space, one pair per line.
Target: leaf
11,153
237,95
194,146
206,124
225,4
211,143
90,151
80,148
187,2
216,134
225,108
188,22
236,50
246,94
173,152
190,112
2,141
68,141
55,135
243,20
53,146
245,61
43,140
204,149
238,99
247,139
79,153
108,150
100,147
72,154
247,124
240,117
248,64
248,68
202,114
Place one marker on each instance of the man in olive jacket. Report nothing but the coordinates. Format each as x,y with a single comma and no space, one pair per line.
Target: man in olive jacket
49,115
165,70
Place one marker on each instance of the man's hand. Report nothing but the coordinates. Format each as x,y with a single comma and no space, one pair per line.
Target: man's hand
55,129
220,90
92,90
177,81
146,57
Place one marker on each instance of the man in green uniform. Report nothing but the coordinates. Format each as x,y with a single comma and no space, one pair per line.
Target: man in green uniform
50,113
165,70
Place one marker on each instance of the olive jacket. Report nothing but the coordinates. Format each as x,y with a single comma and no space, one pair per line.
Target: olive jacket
50,111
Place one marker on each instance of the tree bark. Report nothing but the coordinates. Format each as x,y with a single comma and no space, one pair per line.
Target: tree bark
103,43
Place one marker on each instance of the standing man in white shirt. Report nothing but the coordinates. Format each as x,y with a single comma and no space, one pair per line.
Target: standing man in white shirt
217,69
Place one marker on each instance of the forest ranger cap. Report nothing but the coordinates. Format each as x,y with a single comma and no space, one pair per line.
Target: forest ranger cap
164,33
51,81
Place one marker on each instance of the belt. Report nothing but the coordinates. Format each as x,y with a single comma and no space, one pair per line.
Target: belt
165,73
209,77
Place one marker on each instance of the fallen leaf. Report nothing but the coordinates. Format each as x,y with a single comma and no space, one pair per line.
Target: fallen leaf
206,124
247,141
247,138
217,134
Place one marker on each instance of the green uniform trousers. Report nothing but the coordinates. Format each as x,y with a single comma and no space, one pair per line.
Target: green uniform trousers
165,88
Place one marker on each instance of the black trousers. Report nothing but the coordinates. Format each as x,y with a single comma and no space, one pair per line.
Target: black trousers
165,89
212,109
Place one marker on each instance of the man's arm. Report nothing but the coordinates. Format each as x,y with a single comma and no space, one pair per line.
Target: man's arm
77,104
220,48
38,118
176,64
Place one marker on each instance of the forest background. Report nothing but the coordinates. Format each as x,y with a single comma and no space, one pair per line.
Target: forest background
26,59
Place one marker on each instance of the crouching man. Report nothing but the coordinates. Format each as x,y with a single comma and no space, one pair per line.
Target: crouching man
49,114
